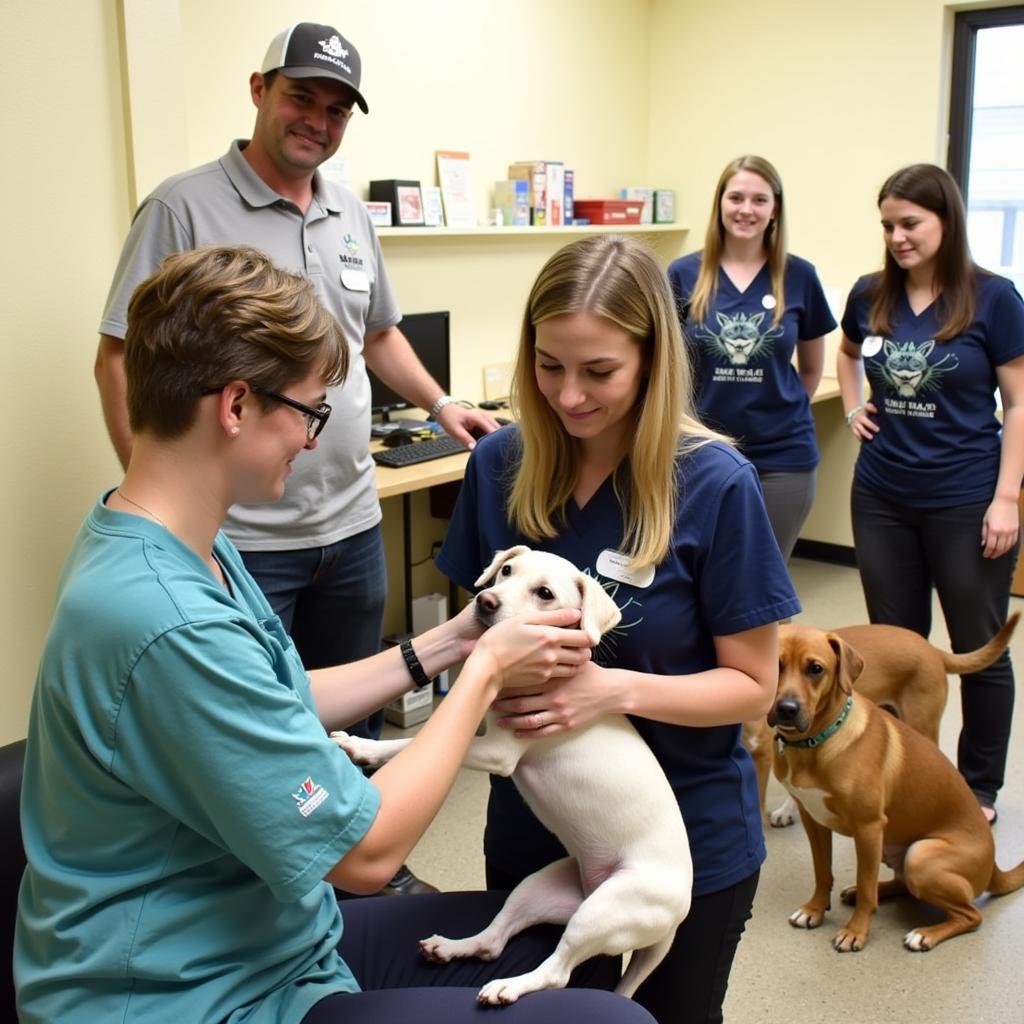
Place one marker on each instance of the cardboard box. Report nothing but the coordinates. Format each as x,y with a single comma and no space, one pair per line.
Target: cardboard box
609,211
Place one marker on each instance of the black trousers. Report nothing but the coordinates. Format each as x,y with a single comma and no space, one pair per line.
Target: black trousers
380,945
902,553
689,985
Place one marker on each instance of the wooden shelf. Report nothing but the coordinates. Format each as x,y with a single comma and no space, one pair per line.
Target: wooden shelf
507,232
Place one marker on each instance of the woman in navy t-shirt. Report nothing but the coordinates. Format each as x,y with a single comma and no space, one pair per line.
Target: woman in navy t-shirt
937,480
610,469
745,305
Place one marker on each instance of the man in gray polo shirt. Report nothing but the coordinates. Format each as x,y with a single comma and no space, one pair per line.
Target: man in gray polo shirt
317,553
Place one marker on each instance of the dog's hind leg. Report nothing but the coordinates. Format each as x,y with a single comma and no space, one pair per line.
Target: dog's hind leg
549,896
641,963
620,915
935,874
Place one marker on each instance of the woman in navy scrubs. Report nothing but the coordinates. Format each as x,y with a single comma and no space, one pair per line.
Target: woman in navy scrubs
745,306
610,468
937,480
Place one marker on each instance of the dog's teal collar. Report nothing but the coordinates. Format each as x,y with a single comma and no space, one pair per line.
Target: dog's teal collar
816,741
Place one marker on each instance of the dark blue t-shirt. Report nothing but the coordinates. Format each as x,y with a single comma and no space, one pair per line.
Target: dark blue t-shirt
723,575
938,443
744,376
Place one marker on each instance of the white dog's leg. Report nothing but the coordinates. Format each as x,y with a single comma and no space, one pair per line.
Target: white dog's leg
549,896
620,915
370,753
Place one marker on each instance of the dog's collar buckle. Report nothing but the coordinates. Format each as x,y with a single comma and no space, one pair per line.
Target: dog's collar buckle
817,740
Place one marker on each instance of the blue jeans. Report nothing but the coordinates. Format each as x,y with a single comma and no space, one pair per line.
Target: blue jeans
331,600
902,552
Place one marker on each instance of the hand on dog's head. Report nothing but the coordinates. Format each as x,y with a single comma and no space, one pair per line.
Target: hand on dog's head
520,580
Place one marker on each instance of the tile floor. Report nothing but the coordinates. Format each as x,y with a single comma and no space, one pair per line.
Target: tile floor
783,974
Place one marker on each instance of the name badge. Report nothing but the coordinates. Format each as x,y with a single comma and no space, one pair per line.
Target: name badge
615,565
355,280
872,346
768,301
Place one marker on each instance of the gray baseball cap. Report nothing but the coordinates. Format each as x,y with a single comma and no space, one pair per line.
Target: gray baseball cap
308,50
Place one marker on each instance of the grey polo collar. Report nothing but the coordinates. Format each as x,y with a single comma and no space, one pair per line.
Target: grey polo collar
255,191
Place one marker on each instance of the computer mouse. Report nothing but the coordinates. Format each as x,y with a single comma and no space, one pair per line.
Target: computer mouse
397,438
501,421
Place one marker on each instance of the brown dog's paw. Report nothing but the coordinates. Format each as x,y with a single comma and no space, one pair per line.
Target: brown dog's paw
807,917
849,940
917,941
849,895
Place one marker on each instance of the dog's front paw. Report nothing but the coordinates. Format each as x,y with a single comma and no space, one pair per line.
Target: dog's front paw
807,917
784,815
360,750
440,950
849,940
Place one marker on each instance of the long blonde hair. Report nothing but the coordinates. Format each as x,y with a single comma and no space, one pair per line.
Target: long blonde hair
714,240
618,278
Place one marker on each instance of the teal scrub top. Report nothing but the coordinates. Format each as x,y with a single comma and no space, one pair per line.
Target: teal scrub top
182,802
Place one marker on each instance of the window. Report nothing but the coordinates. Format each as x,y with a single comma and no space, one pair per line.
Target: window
986,135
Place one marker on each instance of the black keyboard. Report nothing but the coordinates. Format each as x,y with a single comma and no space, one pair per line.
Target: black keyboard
419,451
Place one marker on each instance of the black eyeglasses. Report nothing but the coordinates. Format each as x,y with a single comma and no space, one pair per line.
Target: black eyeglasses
316,419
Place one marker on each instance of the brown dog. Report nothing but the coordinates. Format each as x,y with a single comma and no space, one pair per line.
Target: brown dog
903,673
858,771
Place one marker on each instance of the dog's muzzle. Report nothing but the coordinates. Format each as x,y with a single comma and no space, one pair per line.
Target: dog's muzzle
486,608
789,713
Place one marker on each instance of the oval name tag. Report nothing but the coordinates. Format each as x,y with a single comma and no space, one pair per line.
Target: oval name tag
355,280
872,345
768,301
615,566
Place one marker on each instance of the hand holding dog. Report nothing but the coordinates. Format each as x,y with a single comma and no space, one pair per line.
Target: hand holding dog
526,651
560,705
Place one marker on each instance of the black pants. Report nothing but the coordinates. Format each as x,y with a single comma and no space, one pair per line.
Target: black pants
380,945
689,985
901,553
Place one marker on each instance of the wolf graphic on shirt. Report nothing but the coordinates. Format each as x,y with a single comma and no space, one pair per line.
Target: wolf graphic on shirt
906,370
739,340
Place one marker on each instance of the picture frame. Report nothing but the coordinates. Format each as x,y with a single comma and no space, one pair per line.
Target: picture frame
380,213
433,211
405,198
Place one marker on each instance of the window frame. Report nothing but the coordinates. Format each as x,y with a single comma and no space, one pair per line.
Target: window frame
961,110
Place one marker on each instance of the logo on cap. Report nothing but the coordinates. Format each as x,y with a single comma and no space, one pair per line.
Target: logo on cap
333,47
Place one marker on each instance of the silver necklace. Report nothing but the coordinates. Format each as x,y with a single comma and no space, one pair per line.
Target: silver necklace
142,508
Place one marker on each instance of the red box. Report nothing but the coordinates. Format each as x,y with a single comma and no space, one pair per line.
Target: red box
608,211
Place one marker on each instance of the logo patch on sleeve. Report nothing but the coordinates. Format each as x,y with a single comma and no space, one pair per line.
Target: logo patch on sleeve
308,797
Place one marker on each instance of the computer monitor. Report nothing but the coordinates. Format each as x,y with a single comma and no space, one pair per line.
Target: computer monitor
430,338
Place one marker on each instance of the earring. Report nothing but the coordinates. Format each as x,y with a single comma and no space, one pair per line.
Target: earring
234,431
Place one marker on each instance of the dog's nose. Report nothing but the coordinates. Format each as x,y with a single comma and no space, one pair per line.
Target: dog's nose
787,710
487,601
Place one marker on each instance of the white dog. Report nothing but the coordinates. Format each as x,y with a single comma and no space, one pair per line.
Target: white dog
626,883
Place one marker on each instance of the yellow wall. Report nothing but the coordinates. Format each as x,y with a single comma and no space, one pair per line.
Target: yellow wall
103,99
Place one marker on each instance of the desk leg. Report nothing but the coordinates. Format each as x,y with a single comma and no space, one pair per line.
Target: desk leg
407,557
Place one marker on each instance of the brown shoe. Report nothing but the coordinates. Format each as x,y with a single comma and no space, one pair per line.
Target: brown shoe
405,883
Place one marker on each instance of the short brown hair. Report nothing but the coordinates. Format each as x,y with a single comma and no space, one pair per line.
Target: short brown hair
209,316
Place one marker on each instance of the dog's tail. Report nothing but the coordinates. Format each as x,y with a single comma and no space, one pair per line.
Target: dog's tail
1003,882
975,661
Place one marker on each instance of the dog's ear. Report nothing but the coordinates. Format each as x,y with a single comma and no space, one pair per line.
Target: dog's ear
598,611
500,558
849,664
